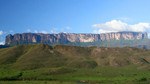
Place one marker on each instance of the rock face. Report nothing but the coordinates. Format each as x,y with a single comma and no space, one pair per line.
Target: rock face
31,38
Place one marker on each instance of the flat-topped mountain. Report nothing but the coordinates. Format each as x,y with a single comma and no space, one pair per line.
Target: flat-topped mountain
60,38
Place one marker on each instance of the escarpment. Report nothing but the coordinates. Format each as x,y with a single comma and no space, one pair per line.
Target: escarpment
31,38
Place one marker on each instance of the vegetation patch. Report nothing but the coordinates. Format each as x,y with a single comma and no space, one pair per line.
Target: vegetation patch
61,70
76,64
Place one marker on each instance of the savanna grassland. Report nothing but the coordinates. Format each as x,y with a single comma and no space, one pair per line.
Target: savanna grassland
43,64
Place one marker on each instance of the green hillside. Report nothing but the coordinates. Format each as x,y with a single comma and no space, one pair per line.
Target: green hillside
42,55
72,63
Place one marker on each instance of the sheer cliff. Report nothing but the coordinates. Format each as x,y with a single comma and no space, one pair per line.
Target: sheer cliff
34,38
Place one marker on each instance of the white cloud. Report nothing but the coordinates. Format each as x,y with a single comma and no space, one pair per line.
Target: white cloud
44,32
2,43
118,25
1,32
28,30
11,31
52,31
68,28
35,31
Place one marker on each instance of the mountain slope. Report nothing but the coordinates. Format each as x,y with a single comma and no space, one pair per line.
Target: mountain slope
42,55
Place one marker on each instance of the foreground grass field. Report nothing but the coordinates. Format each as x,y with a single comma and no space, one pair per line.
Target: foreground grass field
64,75
37,82
64,82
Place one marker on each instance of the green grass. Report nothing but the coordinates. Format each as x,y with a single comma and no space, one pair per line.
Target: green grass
97,75
25,57
42,63
37,82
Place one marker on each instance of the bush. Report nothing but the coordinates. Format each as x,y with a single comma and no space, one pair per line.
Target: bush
143,79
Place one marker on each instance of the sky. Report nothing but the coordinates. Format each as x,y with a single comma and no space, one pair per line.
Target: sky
73,16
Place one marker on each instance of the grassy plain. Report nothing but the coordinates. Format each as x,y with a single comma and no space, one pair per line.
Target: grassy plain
73,75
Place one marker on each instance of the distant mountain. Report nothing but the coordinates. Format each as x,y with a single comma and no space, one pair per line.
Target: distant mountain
42,55
72,38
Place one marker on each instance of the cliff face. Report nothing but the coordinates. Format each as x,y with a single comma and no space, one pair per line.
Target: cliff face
29,38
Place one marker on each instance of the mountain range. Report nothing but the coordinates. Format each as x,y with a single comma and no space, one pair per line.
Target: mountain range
71,38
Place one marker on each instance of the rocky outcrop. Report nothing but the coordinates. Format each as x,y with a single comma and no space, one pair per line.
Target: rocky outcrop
31,38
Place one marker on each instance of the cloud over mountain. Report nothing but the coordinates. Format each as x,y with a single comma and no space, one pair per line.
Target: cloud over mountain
44,32
118,25
1,32
2,43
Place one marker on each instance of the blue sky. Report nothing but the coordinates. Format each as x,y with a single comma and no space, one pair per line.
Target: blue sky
73,16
